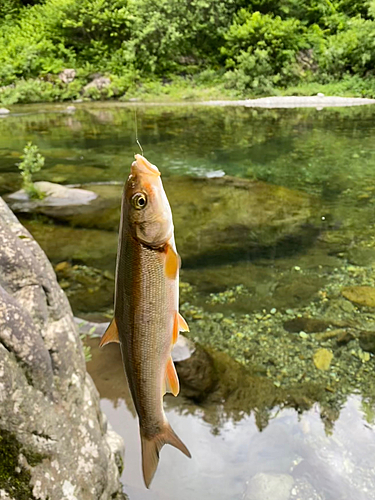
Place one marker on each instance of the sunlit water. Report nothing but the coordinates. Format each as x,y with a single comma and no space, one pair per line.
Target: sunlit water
313,241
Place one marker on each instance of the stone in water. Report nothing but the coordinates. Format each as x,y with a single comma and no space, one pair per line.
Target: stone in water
322,359
360,295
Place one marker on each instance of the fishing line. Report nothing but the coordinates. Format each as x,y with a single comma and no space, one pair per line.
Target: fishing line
136,131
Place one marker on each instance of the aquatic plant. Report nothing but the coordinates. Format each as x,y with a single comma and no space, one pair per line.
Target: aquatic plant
32,162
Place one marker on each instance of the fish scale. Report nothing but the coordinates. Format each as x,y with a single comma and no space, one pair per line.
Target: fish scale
143,328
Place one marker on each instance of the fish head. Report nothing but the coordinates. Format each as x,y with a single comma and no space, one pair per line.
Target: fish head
149,214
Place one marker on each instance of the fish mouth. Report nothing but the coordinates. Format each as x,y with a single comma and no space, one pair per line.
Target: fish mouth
141,165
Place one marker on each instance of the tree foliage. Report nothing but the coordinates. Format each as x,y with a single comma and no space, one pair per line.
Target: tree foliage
259,44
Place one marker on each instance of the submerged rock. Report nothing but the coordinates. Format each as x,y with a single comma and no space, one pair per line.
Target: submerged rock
49,411
82,246
361,256
88,289
231,218
360,295
367,341
322,359
60,201
197,374
305,324
236,219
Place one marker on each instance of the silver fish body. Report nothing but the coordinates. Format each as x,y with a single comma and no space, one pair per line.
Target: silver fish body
146,319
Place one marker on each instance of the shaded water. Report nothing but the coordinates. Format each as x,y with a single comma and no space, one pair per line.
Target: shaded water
280,236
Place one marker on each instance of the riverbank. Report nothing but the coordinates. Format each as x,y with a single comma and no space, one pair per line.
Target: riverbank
318,102
193,89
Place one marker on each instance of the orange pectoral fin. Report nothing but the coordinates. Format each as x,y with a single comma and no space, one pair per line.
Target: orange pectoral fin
171,379
111,334
172,263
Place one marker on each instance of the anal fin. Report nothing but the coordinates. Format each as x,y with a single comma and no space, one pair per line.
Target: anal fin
110,335
171,379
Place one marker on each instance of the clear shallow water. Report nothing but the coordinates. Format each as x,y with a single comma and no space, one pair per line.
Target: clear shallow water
95,142
281,241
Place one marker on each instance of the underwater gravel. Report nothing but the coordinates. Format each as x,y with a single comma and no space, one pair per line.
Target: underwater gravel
260,341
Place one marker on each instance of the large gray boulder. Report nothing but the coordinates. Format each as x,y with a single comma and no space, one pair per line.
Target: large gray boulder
55,442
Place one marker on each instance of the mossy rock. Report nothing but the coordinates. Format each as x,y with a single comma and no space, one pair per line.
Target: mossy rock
45,389
360,295
15,480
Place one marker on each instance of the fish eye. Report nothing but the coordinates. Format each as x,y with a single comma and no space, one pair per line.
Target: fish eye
139,201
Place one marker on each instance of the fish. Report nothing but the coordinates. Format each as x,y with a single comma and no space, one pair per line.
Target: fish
146,320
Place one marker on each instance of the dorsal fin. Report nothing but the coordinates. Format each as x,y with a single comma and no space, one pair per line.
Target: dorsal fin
110,335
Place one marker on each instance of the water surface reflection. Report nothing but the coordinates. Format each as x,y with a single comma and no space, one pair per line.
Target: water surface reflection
295,456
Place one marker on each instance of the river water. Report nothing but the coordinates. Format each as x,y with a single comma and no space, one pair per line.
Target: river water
274,219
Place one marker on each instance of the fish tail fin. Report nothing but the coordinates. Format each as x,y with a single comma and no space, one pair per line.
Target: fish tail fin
151,449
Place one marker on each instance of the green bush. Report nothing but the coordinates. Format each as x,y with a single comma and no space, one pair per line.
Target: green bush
262,51
351,50
35,46
36,90
324,13
116,36
8,9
